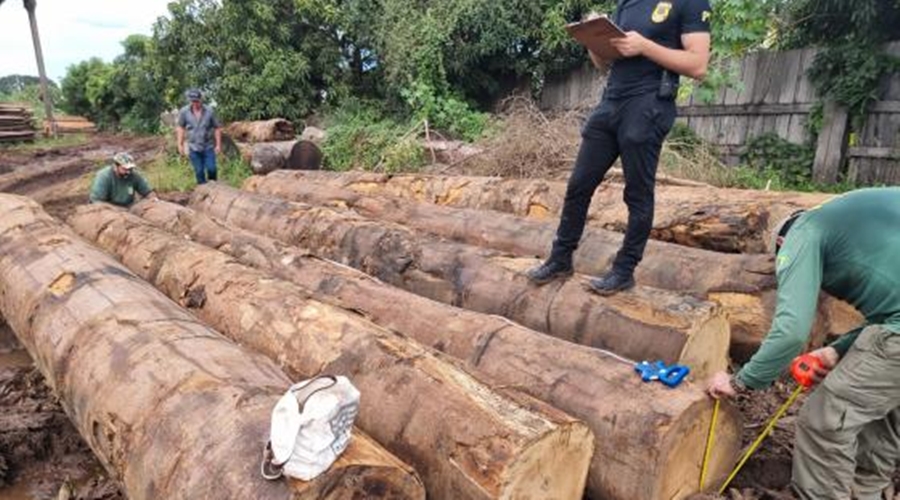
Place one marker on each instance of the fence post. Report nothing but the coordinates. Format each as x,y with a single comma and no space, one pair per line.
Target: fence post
832,144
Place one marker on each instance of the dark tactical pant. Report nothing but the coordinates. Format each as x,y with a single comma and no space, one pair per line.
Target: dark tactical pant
633,128
848,431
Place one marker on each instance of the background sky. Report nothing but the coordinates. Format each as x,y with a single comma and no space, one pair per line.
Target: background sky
71,31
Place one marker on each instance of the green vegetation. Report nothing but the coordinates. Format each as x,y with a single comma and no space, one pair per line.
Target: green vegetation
173,172
852,33
769,162
378,71
27,90
122,95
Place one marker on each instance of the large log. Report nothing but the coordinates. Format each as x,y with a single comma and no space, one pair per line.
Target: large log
466,440
743,283
161,399
726,220
276,129
576,379
643,323
291,155
665,265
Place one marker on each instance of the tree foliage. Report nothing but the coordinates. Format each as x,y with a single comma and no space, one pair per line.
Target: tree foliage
852,61
125,94
10,84
27,90
434,60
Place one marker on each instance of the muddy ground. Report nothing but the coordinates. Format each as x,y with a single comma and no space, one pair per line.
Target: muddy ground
41,453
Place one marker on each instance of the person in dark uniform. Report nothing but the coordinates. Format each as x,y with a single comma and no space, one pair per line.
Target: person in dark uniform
664,39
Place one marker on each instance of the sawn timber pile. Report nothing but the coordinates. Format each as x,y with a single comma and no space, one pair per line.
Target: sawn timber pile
743,283
161,399
466,440
628,418
16,123
724,220
643,323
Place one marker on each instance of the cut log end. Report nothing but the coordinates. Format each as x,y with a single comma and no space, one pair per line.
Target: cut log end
706,348
362,471
553,467
686,445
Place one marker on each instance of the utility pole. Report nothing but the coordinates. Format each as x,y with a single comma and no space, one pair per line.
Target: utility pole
30,6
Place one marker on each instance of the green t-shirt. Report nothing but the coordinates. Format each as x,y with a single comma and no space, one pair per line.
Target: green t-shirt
111,188
849,247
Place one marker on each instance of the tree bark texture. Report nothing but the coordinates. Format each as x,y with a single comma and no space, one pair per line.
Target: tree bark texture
576,379
160,398
277,129
643,323
719,219
743,283
466,440
291,155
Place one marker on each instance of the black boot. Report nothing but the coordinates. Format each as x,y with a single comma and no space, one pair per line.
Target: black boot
611,283
550,270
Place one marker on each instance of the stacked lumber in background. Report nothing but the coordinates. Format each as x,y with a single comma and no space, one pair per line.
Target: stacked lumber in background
160,398
270,145
67,124
743,283
466,440
16,123
586,383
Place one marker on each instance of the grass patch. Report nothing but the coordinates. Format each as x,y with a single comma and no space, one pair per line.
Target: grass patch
172,172
63,141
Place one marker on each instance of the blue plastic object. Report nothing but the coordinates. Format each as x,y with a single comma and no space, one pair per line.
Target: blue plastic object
670,376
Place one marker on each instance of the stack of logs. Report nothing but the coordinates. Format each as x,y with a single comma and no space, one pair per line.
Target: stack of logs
270,145
709,243
475,383
16,123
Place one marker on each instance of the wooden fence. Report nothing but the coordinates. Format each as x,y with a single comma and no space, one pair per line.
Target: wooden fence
775,95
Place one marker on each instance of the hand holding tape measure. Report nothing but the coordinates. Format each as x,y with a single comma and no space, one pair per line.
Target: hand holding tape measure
807,370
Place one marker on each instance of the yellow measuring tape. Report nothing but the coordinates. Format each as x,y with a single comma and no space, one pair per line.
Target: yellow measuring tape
751,449
709,443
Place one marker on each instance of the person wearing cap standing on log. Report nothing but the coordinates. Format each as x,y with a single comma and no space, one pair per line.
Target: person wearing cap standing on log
118,182
198,123
848,431
664,39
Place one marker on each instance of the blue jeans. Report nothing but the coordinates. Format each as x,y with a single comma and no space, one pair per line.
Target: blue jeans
204,163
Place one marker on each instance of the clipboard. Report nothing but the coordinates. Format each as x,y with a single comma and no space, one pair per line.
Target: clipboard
595,35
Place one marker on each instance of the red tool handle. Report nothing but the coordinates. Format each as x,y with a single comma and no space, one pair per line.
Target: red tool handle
804,367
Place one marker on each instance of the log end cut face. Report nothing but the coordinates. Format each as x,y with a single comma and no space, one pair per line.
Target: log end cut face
553,467
364,470
682,454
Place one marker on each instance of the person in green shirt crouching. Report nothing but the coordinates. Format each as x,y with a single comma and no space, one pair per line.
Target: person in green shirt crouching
848,431
118,182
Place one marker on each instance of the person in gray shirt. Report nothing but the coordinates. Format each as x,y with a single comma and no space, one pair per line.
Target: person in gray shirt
202,127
